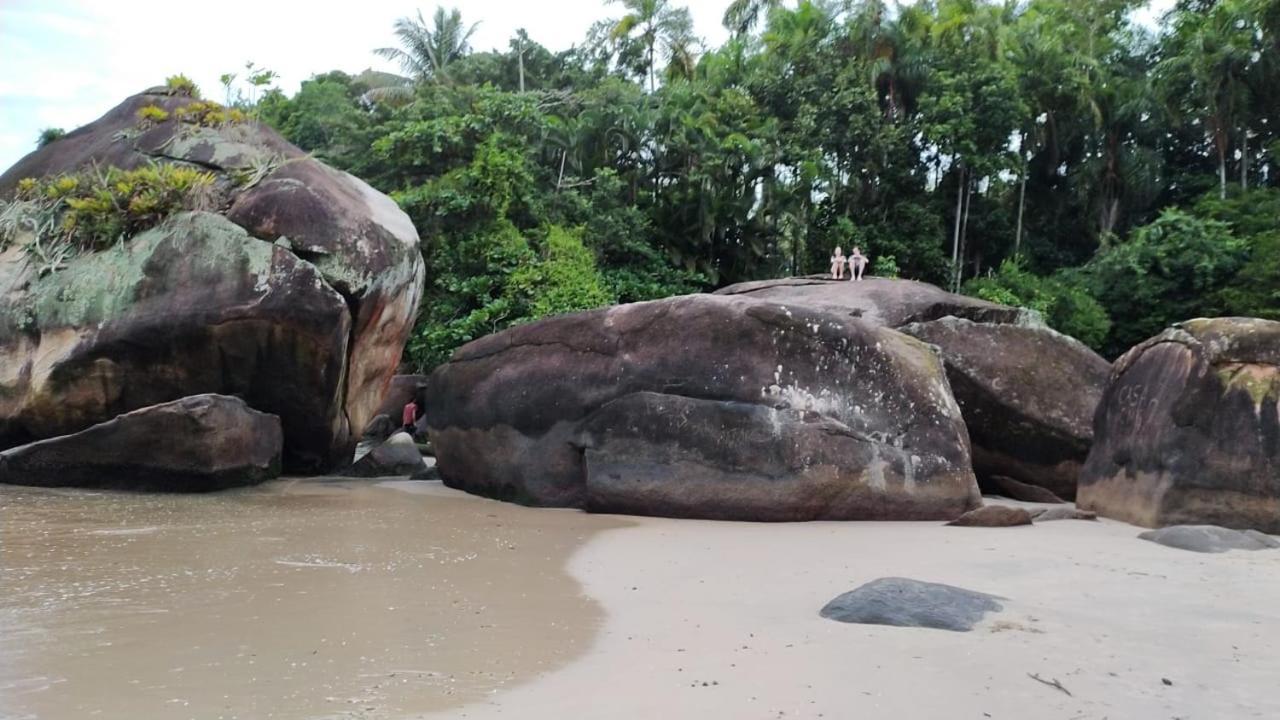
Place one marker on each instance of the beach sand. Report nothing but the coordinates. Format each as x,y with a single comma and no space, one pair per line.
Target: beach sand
720,620
310,599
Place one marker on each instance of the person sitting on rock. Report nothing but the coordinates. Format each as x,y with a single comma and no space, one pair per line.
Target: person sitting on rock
410,416
857,263
837,264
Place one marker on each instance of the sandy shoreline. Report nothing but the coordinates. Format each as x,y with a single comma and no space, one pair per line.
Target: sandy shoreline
410,600
299,599
719,620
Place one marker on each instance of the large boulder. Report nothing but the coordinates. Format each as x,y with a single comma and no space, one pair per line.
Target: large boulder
1188,431
195,444
883,301
297,293
1027,393
705,406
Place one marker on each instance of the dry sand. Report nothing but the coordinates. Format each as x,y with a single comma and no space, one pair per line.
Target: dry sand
720,620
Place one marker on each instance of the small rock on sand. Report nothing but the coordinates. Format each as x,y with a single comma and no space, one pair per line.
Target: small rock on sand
1210,538
902,602
993,516
1062,513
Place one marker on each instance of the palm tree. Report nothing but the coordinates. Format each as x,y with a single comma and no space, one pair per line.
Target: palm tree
1206,71
742,15
656,22
426,52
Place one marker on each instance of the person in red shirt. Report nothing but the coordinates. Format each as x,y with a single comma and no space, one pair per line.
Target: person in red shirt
410,416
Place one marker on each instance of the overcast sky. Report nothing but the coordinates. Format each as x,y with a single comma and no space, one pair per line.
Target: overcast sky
65,62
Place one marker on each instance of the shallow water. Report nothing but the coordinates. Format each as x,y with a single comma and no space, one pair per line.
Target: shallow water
298,599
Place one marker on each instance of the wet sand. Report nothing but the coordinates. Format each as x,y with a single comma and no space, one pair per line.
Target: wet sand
720,620
299,599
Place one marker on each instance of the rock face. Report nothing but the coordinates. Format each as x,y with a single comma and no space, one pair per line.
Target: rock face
1016,490
902,602
1027,393
195,444
704,406
993,516
297,293
882,301
1210,538
397,455
1188,431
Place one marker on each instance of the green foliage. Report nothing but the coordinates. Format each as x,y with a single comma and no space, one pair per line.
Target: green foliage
85,212
1252,217
943,138
1169,270
206,113
48,135
149,115
564,280
182,86
885,266
1061,300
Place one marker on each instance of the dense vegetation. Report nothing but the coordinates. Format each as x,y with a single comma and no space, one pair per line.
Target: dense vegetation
1050,153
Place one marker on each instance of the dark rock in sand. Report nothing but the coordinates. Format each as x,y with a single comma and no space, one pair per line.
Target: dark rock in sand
1061,513
1017,490
902,602
196,444
993,516
1188,432
1210,538
1027,393
705,406
397,455
297,296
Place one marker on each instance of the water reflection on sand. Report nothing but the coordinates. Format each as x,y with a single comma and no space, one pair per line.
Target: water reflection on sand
298,599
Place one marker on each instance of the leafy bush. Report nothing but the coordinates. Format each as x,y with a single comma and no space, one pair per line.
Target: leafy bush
885,266
88,211
48,135
152,115
1169,270
565,280
1252,216
1061,299
207,113
181,85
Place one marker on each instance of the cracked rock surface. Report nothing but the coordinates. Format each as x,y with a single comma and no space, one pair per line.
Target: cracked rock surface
296,291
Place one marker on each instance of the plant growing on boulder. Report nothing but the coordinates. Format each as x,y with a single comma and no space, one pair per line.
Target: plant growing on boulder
206,113
152,115
181,85
69,214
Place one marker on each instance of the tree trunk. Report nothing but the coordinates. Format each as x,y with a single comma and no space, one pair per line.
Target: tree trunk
1022,198
520,59
1244,160
964,232
1221,141
955,237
